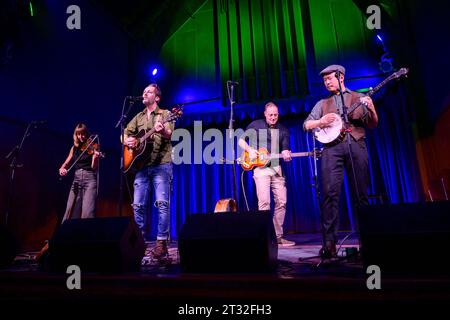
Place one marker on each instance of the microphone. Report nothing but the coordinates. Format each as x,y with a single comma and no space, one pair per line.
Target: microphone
337,74
136,98
233,83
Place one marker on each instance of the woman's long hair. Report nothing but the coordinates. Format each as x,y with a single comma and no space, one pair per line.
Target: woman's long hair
80,128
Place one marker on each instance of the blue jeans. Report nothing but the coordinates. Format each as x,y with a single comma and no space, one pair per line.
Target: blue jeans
160,176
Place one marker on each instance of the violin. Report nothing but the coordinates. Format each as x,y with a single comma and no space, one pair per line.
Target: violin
91,147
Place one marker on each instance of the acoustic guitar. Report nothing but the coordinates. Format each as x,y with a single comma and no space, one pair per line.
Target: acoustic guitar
134,157
226,205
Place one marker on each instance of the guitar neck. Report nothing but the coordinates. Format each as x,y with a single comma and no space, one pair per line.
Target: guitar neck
293,155
149,133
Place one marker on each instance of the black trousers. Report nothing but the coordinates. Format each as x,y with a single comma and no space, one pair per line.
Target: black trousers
337,160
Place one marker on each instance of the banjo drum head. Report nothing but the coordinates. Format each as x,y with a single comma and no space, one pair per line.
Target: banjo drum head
330,133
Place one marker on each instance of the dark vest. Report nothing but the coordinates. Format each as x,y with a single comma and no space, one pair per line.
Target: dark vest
356,123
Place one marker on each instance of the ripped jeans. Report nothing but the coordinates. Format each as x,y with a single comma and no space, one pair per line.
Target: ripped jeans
160,176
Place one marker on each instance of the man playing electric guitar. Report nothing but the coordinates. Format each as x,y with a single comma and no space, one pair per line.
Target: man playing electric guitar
268,133
156,172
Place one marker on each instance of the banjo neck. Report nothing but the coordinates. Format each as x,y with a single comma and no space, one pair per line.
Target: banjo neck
372,91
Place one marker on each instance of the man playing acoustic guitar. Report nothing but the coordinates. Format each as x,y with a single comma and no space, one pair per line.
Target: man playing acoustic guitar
268,133
346,152
155,169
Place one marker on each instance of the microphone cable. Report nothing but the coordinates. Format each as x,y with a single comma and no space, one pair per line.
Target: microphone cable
243,190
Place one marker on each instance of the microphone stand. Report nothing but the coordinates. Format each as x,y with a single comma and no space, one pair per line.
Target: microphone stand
121,124
344,107
349,140
230,91
326,258
13,155
324,253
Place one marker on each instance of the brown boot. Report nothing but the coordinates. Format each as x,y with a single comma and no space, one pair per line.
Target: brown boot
160,251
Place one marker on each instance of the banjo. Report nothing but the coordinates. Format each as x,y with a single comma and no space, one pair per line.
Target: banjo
335,131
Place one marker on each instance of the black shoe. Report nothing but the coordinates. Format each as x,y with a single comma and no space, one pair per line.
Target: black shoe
328,251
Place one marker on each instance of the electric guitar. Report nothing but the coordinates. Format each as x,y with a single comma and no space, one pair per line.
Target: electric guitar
134,157
264,158
335,132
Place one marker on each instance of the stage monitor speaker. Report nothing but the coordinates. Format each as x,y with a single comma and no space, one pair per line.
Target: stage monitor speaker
113,244
406,239
228,243
8,247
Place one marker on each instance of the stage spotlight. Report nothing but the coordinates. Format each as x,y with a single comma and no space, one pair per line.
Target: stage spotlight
380,39
153,73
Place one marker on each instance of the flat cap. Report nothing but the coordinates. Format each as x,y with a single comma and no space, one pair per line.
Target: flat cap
332,68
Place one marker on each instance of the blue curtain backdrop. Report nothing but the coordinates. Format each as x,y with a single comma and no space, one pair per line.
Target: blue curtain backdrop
393,166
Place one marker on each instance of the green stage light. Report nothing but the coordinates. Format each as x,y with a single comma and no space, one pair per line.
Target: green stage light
31,9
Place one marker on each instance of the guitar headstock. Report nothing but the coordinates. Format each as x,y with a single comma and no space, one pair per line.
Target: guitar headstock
175,113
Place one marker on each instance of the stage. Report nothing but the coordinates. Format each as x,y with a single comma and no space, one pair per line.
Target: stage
297,283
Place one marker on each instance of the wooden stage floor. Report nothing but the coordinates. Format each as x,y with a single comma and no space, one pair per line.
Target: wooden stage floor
294,285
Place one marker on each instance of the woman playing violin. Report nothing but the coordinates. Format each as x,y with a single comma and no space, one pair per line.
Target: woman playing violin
84,158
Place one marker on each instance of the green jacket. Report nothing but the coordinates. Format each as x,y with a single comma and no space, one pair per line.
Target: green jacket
159,148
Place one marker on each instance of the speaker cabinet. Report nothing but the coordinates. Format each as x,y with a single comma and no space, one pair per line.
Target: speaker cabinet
228,243
406,239
101,244
8,247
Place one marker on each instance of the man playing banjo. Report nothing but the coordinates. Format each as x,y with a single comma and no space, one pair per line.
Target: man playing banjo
340,120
